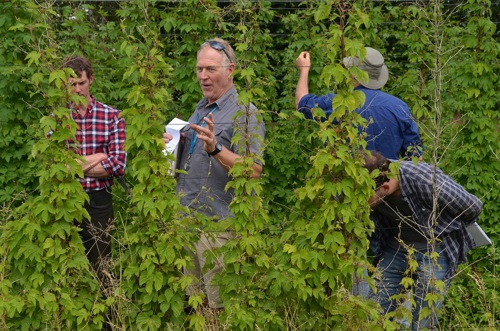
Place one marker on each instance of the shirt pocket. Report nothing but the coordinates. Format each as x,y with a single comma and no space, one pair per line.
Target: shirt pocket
223,135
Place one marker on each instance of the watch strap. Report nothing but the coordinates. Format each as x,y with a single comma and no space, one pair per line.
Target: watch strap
217,150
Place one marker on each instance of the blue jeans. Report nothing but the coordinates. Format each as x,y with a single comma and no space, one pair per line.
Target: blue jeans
392,265
360,286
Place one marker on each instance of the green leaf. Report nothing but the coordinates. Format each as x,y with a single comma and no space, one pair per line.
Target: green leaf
323,12
33,57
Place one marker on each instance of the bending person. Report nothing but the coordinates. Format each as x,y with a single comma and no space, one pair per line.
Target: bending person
418,211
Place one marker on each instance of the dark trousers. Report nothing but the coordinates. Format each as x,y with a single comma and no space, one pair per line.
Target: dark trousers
95,232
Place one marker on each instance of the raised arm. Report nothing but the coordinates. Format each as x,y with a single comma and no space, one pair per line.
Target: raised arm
303,63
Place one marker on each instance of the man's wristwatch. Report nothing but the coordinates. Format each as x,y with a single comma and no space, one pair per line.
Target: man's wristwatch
218,148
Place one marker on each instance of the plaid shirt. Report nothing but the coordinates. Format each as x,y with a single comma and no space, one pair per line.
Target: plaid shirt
101,130
456,208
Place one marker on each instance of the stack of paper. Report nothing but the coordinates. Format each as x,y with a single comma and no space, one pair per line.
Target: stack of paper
175,128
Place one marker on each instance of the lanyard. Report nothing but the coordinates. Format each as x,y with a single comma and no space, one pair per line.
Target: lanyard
194,137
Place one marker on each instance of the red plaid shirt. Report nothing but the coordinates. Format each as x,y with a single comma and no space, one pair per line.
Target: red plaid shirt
101,130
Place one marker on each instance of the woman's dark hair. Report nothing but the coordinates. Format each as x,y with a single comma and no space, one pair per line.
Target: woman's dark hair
374,160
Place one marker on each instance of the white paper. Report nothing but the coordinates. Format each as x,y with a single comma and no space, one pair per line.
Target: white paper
174,128
479,236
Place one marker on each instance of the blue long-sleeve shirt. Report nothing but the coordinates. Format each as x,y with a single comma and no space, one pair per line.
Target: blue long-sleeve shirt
393,129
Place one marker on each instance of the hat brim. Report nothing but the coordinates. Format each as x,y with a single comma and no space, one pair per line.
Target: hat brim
376,84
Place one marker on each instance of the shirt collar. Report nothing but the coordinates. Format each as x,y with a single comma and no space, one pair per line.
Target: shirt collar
221,101
74,107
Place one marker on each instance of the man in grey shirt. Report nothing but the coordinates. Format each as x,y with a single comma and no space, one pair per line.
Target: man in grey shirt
208,154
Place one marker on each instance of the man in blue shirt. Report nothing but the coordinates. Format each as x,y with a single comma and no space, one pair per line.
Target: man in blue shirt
391,129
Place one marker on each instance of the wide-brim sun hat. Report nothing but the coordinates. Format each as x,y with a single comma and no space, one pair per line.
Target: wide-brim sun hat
373,64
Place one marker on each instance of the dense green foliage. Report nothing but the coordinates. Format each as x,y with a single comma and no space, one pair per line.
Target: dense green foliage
301,229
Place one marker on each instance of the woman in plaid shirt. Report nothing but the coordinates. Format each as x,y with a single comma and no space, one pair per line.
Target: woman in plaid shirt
418,211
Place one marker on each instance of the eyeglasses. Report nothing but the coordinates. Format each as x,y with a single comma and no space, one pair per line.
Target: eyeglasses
219,47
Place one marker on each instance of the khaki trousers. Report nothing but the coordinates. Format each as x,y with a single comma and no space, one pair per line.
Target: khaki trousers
204,278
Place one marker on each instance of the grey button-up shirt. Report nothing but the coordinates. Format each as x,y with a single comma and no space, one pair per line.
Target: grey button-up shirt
203,187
